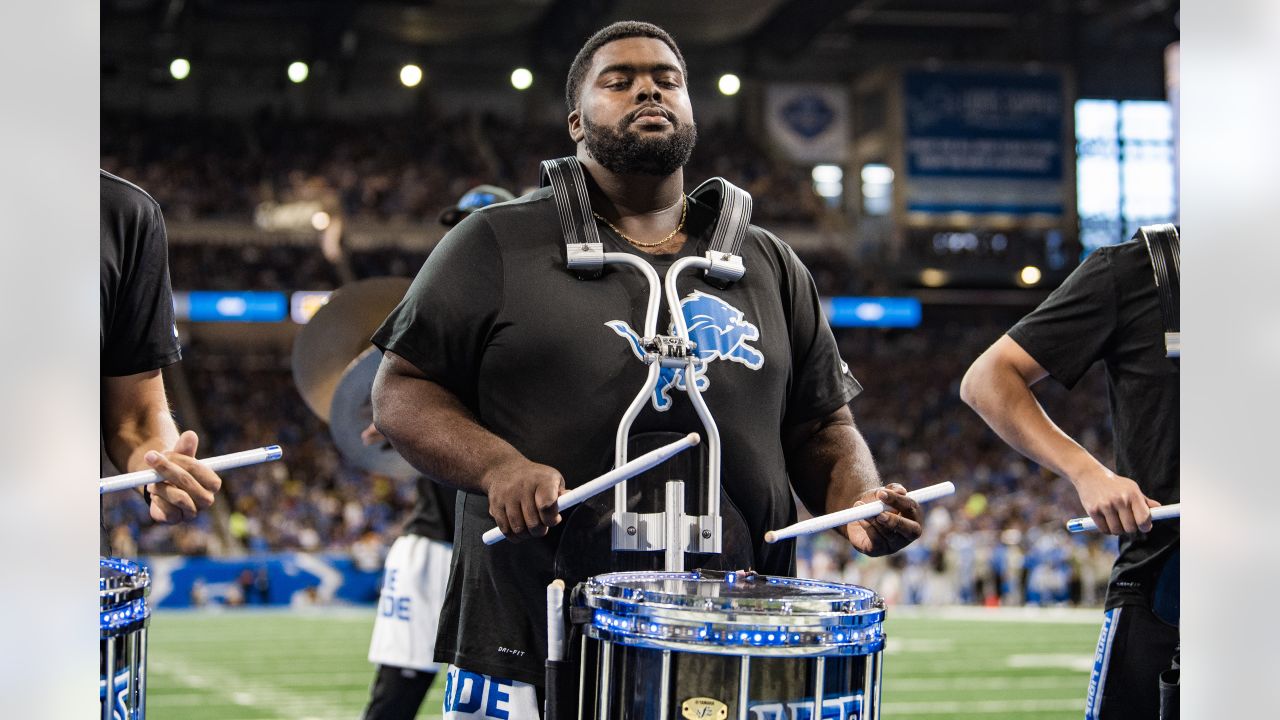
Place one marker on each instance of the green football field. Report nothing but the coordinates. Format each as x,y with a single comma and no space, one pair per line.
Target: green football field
942,664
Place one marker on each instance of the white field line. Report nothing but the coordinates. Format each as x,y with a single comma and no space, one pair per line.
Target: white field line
902,684
1053,615
984,707
241,690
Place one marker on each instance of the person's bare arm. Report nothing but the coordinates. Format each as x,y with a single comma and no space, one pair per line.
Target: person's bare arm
439,436
139,433
998,387
831,469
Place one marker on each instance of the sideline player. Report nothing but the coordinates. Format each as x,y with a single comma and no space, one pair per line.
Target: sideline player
416,570
505,376
1109,310
138,338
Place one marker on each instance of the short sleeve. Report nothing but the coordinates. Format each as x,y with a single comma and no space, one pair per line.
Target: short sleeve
142,334
821,380
445,320
1073,327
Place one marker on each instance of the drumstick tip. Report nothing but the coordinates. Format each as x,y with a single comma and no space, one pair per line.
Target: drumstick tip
558,584
770,537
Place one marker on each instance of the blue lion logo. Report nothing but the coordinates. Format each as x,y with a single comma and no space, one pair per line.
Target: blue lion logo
720,331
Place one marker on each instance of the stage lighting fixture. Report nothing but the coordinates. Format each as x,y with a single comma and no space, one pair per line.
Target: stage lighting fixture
730,84
180,68
298,71
410,75
521,78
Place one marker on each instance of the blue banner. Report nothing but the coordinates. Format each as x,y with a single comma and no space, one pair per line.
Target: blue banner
213,306
984,142
847,311
277,579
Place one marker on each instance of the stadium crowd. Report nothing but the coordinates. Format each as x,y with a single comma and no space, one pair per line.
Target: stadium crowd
391,170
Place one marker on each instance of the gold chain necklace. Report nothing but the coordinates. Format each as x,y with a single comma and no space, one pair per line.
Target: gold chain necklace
684,208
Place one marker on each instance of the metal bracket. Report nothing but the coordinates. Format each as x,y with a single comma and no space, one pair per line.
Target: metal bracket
667,350
586,256
725,266
645,532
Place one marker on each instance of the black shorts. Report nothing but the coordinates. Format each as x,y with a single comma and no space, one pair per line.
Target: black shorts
1134,647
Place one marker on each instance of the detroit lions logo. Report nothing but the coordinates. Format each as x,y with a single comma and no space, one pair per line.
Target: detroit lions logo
720,331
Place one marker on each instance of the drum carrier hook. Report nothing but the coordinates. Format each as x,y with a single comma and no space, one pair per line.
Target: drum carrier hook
673,530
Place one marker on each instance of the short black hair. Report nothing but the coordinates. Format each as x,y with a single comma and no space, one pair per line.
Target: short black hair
617,31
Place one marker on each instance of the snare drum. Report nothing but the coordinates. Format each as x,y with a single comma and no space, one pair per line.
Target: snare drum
728,646
122,647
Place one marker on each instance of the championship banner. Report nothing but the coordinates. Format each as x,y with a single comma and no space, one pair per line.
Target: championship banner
984,142
809,122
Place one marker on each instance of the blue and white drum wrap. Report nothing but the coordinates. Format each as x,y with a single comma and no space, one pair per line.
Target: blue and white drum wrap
122,684
724,646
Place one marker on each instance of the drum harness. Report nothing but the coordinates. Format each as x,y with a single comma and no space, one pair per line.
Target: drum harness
673,530
1163,246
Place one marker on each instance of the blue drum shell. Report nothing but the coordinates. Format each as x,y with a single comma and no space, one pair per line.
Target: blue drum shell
738,614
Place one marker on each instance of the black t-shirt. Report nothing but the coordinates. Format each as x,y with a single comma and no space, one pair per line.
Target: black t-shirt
433,513
1109,310
137,333
546,362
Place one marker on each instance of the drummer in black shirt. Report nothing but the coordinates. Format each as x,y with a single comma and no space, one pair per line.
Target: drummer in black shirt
1108,310
138,338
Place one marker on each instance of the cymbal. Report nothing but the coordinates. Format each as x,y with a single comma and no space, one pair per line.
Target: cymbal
338,333
351,412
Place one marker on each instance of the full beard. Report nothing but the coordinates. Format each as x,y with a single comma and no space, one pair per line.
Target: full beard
624,151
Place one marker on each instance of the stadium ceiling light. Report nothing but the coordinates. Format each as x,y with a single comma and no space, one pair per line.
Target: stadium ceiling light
877,174
180,68
298,71
1030,275
521,78
410,75
730,84
933,277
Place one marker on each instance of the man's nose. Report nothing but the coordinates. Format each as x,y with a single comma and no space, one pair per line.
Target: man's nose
648,91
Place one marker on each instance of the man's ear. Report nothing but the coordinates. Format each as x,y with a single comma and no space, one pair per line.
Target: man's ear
576,133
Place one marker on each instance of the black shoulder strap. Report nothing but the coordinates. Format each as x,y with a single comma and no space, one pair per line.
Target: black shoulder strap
1162,245
584,253
734,206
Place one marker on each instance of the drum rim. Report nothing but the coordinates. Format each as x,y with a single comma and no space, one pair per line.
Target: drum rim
836,649
844,600
121,620
134,581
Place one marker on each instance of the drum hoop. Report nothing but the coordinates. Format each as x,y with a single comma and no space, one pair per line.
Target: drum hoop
861,649
123,620
844,599
134,579
741,620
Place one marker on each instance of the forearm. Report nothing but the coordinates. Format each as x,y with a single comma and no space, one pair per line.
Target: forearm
436,433
147,428
1002,398
831,466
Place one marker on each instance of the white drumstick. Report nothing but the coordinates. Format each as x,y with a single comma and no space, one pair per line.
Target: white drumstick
555,620
625,471
216,464
1164,512
854,514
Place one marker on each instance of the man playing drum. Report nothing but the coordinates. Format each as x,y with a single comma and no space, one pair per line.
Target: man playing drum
138,338
1109,309
505,375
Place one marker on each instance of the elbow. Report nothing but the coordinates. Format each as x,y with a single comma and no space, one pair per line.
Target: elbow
972,384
